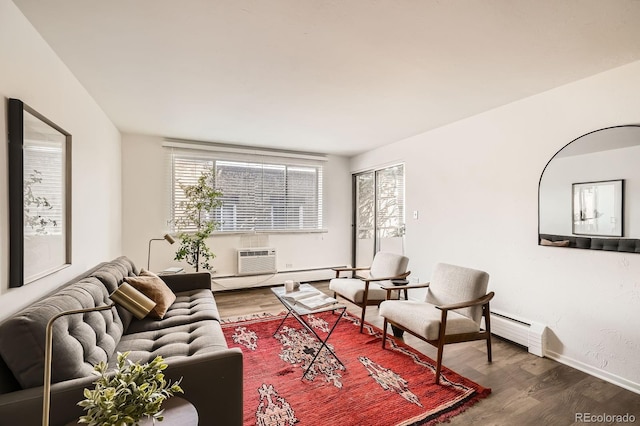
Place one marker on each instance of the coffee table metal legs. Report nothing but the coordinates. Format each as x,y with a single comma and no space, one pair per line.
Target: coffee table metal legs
323,342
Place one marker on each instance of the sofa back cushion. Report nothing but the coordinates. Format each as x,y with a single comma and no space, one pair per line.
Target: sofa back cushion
111,275
79,341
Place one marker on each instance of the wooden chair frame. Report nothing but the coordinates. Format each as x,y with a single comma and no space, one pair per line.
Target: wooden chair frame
443,338
367,280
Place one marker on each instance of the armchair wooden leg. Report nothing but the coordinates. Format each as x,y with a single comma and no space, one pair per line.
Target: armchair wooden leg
487,325
384,333
364,309
441,339
439,362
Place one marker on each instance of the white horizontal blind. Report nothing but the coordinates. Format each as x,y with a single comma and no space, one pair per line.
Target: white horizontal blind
259,193
44,180
186,171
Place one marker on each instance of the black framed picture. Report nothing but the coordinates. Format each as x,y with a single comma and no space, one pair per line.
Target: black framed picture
39,154
598,208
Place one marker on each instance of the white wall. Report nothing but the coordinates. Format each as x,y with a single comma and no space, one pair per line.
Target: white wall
146,211
475,185
33,73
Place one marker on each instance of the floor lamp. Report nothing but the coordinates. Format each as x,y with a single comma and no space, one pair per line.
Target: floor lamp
166,237
126,296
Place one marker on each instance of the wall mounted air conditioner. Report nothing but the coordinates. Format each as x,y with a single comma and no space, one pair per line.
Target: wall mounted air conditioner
256,261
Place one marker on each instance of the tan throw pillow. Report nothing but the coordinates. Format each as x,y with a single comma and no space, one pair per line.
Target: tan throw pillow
155,289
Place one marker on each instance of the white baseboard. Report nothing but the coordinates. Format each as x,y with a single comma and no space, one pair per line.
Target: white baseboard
593,371
278,278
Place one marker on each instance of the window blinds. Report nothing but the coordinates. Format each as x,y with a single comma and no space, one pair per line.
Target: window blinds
43,188
260,192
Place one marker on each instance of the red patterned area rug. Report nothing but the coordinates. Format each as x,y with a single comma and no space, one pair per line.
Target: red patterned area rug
375,387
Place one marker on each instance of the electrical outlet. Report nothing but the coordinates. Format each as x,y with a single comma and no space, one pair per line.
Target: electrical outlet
414,280
288,265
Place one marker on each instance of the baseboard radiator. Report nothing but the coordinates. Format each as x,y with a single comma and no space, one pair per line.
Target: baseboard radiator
256,261
523,332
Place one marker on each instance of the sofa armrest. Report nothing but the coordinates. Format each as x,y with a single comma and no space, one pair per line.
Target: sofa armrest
212,382
24,407
186,282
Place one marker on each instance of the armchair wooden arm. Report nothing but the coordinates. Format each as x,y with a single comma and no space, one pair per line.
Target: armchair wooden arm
403,287
481,301
349,269
397,277
390,288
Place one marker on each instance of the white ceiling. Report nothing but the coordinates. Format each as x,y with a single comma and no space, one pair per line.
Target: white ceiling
333,76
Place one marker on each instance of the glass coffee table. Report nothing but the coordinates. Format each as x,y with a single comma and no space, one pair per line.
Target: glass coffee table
306,301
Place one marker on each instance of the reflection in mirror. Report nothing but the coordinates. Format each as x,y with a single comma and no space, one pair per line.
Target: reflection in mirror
602,156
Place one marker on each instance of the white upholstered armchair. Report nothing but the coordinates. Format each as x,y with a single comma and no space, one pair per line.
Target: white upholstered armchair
365,287
452,311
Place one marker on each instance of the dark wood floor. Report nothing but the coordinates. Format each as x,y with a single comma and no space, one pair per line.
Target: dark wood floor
526,389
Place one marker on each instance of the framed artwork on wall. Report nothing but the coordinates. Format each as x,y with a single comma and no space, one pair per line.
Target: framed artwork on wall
598,208
39,155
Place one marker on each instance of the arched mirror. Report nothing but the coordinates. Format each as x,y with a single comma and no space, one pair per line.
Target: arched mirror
589,192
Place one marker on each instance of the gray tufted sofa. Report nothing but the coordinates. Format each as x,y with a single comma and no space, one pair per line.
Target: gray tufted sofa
189,337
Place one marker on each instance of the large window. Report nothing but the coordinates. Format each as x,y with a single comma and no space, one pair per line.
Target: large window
259,194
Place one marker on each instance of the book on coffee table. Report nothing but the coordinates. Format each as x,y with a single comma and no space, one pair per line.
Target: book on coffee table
309,299
294,296
317,302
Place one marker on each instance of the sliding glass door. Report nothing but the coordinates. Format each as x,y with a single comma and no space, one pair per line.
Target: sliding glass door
378,213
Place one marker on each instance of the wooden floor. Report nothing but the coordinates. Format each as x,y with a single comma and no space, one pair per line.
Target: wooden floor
526,389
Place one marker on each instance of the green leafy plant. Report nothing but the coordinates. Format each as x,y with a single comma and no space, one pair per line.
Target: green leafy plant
197,224
133,392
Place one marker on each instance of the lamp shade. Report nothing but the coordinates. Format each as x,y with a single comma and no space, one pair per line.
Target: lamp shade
132,300
166,237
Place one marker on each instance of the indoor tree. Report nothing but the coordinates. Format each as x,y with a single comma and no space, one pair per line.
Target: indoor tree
196,222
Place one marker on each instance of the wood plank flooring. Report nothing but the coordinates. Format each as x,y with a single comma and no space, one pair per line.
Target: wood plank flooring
526,389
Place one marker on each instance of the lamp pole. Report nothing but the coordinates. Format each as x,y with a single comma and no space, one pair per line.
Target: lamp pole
46,394
125,296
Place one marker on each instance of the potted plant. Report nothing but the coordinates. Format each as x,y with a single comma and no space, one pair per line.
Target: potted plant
197,224
133,392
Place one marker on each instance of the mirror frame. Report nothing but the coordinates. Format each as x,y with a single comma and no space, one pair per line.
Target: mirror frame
592,242
16,110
